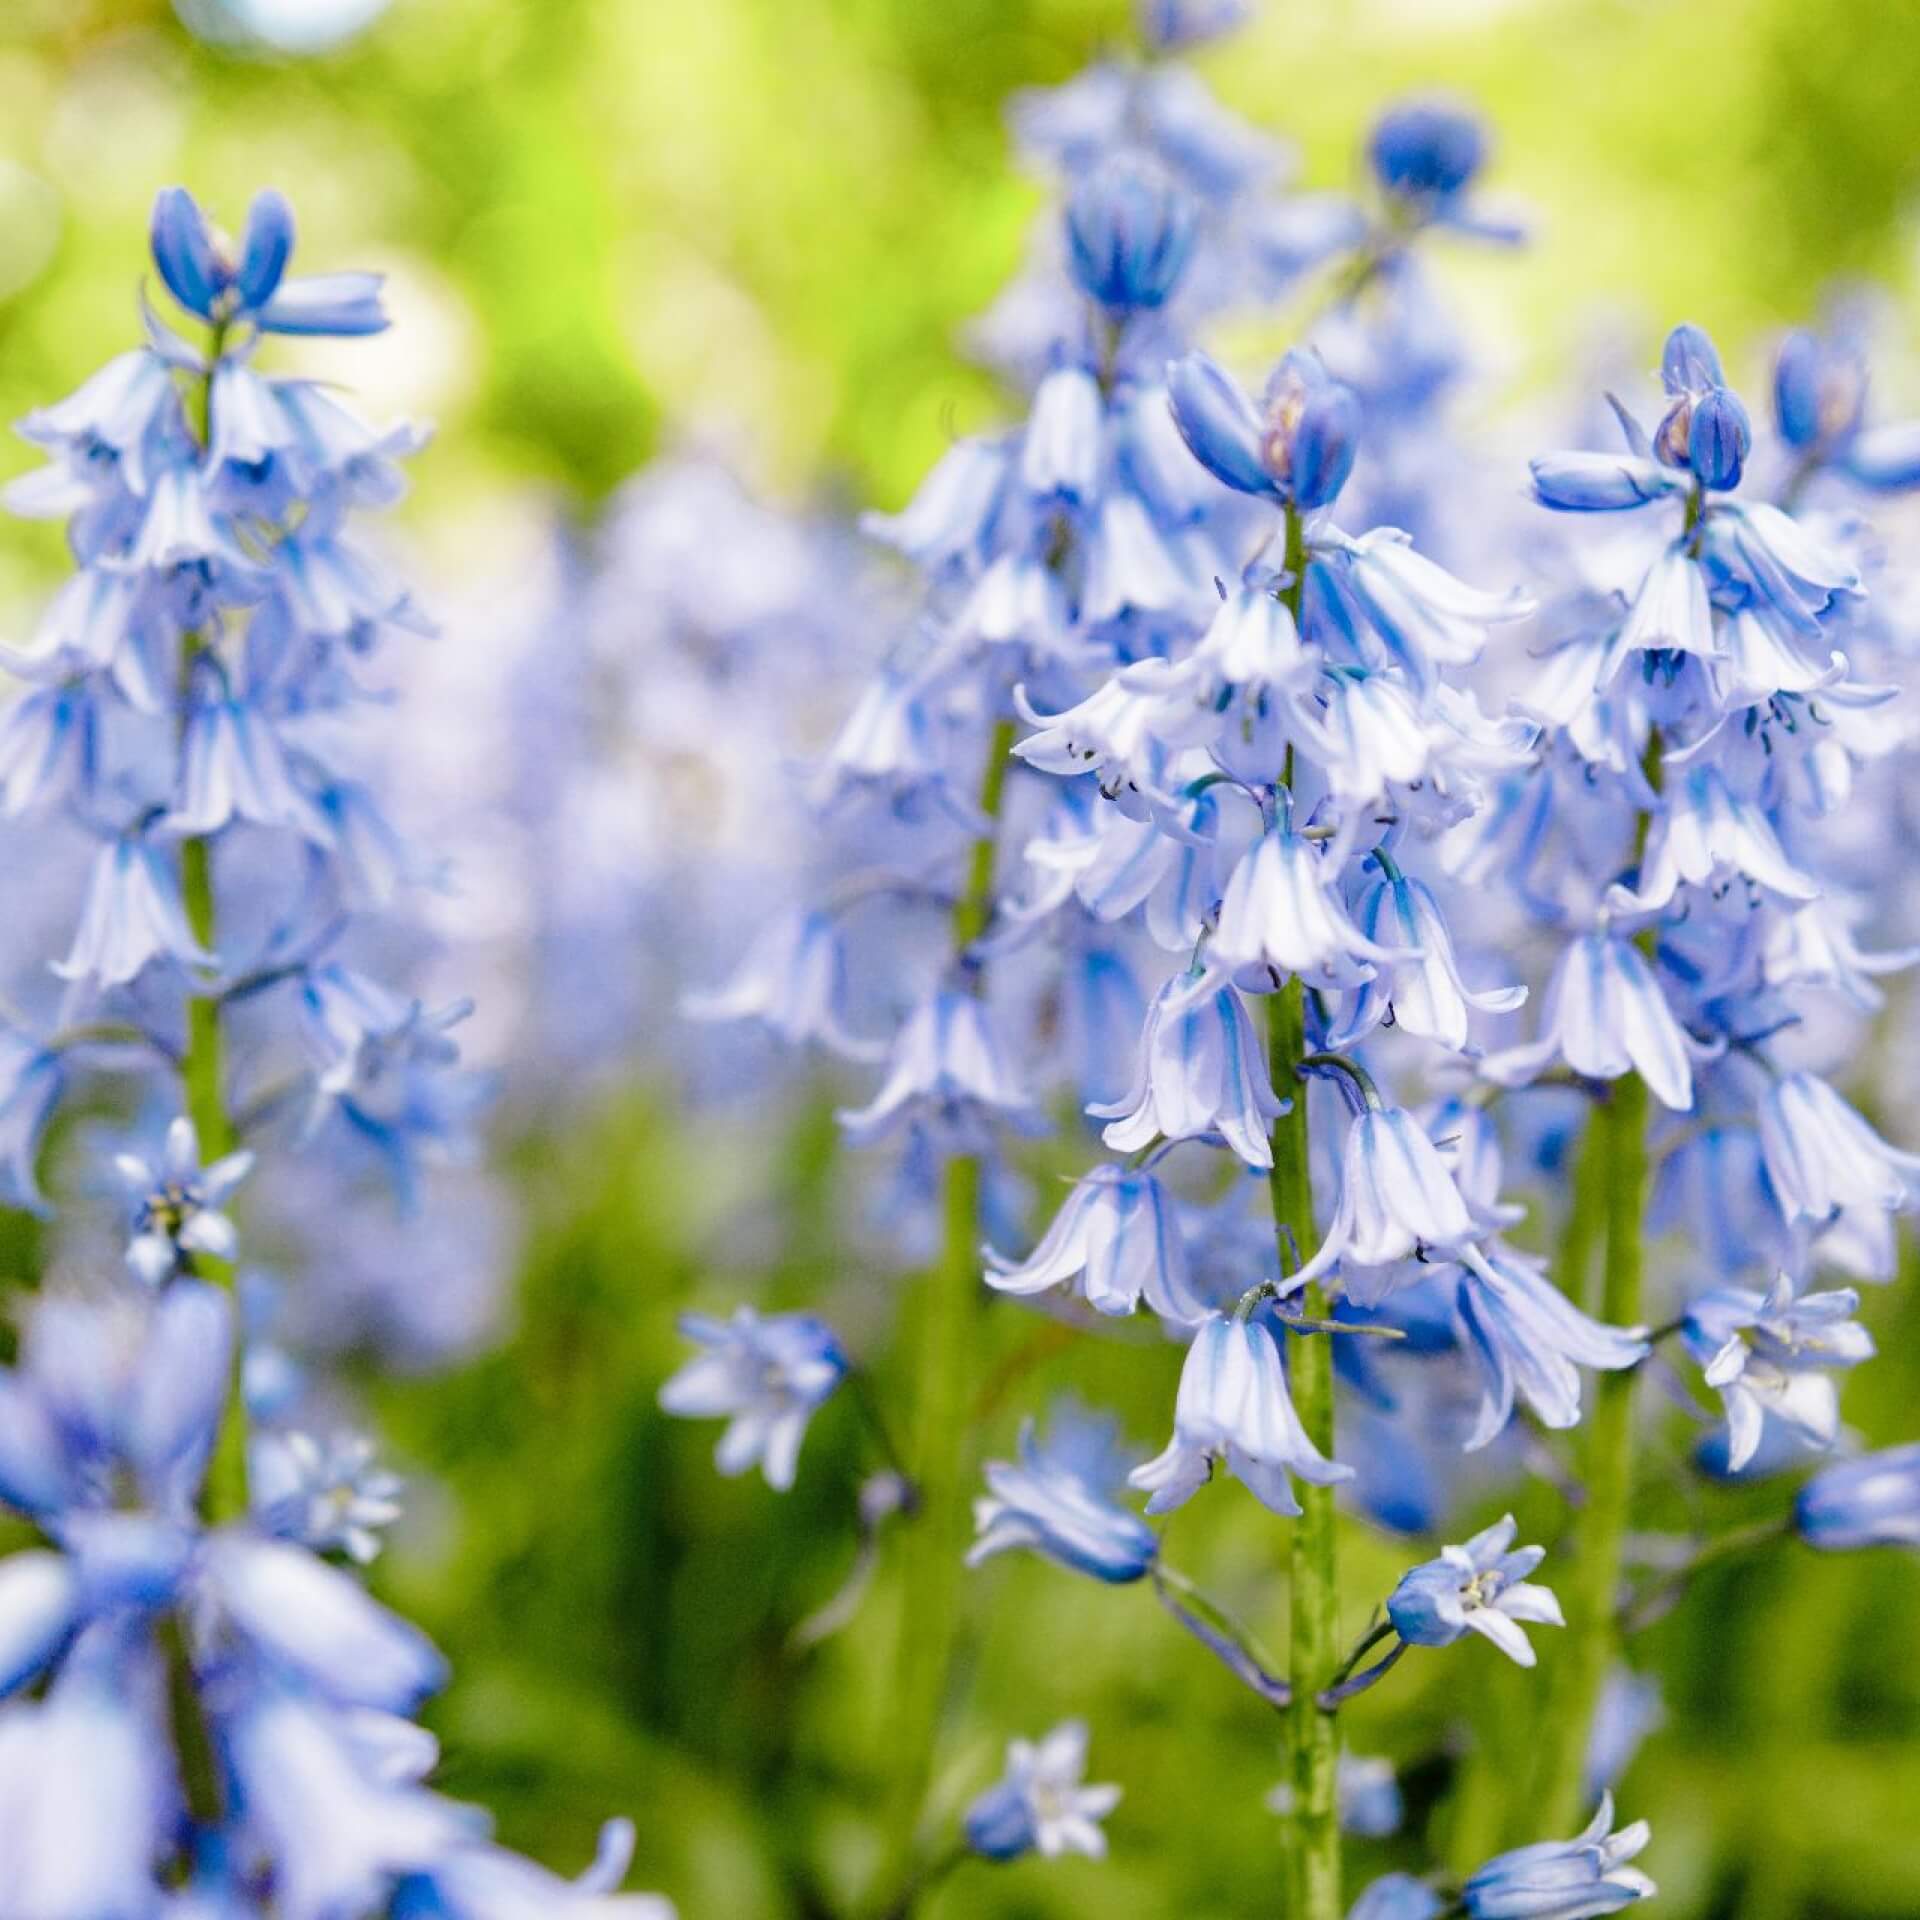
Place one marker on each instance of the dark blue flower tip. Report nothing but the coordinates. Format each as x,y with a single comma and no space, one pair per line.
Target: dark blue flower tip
1311,431
1719,439
184,252
1129,233
1819,391
265,250
1689,362
1426,151
999,1824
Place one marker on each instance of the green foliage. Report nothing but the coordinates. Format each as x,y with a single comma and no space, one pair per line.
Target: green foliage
614,219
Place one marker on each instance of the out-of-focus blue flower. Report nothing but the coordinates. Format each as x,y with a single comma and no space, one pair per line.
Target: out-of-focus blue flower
1130,229
794,983
1822,1157
1117,1232
1233,1406
1819,391
1201,1071
1298,448
1481,1587
132,916
1564,1879
1040,1804
223,288
178,1204
482,1881
1367,1796
1057,1502
1870,1502
1396,1896
765,1376
1605,1015
946,1070
1772,1354
1426,153
31,1082
331,1496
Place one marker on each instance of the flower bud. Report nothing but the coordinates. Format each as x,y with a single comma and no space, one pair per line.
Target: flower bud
1819,389
1719,439
1129,232
1310,430
1426,151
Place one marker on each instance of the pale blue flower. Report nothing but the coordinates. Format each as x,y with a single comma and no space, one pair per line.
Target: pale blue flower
766,1376
793,982
1130,229
1282,910
1040,1804
1564,1879
330,1496
1771,1355
946,1069
179,1204
1396,1896
1056,1501
132,916
1116,1234
1822,1157
1201,1070
1481,1587
1873,1501
1233,1407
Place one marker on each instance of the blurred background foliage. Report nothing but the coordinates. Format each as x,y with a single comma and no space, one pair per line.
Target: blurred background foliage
612,221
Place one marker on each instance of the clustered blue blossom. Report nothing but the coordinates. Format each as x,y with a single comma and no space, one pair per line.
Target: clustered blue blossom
201,1708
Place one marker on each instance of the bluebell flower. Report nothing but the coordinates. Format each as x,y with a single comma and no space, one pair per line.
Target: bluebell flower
1821,1156
1233,1406
1564,1879
49,746
1527,1337
1298,448
1873,1501
1585,482
1771,1355
1130,229
1421,993
1062,449
1481,1587
946,1068
947,525
330,1496
793,981
1282,911
1398,1201
210,282
233,766
1201,1070
1605,1015
132,916
1397,1896
1040,1804
1057,1501
359,1034
766,1376
178,1204
1116,1233
483,1881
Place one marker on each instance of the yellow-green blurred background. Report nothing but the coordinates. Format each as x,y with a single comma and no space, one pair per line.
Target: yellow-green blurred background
611,220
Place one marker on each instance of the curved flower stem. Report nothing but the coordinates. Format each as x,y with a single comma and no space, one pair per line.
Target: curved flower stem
1313,1739
926,1876
949,1307
1659,1595
202,1069
1331,1699
1220,1633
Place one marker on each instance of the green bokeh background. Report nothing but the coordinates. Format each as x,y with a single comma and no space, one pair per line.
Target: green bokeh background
608,219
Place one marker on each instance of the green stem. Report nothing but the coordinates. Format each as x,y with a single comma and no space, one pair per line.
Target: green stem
1313,1738
1590,1587
202,1066
933,1546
